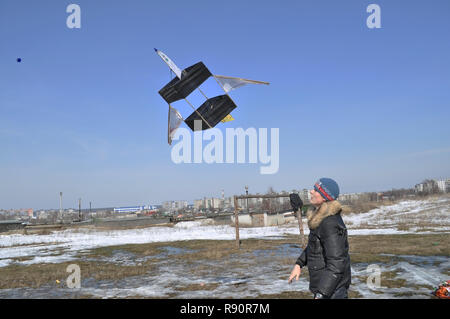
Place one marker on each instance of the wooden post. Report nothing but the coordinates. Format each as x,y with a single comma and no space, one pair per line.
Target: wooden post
236,221
300,226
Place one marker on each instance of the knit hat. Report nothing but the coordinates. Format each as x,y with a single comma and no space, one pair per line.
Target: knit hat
328,188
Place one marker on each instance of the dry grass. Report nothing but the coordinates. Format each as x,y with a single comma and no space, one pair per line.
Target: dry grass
287,295
138,249
34,276
196,287
363,207
410,244
223,255
301,295
389,280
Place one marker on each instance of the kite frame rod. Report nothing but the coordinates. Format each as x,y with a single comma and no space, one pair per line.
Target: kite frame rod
202,93
207,98
197,112
220,84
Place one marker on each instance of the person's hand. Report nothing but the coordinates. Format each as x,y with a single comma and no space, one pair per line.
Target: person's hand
295,273
296,202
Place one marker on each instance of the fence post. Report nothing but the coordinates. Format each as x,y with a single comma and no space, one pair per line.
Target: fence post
236,221
300,226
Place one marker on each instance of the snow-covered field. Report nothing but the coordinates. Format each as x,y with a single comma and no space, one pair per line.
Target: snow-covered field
385,220
413,216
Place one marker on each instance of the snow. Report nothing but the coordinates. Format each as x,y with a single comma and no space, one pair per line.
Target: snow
380,221
68,245
435,213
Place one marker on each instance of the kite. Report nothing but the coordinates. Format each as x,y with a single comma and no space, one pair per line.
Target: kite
213,111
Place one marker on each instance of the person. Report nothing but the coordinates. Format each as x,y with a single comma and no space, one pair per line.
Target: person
327,253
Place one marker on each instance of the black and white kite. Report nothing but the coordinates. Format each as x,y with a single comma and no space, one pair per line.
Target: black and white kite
213,110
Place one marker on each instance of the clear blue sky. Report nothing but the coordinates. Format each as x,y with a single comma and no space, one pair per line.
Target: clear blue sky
81,113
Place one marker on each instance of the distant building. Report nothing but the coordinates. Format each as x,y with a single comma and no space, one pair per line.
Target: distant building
305,194
131,209
442,185
419,188
432,186
172,206
349,197
209,203
199,204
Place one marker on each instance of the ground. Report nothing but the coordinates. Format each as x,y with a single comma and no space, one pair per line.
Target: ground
216,269
192,260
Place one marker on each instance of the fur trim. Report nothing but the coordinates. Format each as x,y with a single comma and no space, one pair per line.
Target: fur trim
316,215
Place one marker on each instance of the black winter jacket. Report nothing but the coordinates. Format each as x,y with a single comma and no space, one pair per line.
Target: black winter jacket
326,254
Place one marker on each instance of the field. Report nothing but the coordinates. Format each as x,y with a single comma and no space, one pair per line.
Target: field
408,241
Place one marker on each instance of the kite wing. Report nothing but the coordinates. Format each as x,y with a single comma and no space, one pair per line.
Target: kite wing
229,83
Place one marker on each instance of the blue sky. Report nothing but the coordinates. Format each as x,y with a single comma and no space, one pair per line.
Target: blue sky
81,113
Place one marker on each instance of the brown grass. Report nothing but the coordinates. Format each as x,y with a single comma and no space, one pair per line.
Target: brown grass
34,276
287,295
410,244
196,287
223,255
363,207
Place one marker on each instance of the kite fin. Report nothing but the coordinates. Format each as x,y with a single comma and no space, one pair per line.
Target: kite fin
227,118
175,120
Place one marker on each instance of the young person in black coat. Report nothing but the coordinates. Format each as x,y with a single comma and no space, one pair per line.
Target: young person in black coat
326,254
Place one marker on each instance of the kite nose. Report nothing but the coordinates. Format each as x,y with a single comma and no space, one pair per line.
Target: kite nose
156,50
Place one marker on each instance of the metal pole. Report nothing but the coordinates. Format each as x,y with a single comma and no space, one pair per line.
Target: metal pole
236,221
60,203
246,193
79,209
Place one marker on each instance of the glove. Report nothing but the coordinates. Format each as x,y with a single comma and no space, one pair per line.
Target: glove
296,202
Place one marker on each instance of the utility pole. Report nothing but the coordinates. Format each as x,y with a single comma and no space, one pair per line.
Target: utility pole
246,194
79,209
60,203
90,208
236,222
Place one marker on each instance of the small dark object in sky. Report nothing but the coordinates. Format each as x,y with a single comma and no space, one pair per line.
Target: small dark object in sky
19,60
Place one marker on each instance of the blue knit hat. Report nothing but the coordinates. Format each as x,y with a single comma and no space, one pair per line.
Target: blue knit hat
328,188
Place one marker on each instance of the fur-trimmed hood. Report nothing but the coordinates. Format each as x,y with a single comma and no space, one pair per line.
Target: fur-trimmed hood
316,215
